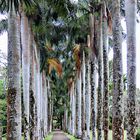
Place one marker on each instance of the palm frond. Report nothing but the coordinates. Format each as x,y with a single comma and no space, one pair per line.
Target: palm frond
55,64
10,4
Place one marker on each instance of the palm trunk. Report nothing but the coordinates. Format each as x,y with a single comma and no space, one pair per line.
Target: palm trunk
73,122
98,42
49,109
45,105
106,76
87,96
37,96
131,9
93,79
41,107
25,38
32,97
14,66
79,102
70,114
117,74
83,96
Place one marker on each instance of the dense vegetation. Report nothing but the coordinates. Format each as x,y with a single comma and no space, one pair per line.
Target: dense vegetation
59,75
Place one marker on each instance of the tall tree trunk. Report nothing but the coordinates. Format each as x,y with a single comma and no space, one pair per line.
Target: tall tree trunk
37,94
117,108
106,76
87,94
93,97
41,111
131,9
14,75
25,38
49,109
83,95
93,78
33,122
45,104
70,114
79,115
73,122
98,42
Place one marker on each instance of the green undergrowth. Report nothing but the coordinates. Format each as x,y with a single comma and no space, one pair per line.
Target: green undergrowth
49,137
71,137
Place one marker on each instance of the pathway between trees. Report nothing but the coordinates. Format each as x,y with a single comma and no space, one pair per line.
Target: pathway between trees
59,135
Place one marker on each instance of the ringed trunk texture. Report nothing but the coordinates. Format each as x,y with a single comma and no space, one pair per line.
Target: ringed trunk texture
79,115
70,114
93,79
93,97
83,95
87,97
131,9
117,74
25,38
73,121
14,78
32,97
106,76
98,43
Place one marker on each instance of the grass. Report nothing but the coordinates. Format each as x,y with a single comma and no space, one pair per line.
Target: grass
71,137
49,137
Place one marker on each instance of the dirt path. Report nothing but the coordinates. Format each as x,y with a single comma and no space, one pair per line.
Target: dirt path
59,135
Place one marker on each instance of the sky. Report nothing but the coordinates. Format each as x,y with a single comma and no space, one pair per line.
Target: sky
4,39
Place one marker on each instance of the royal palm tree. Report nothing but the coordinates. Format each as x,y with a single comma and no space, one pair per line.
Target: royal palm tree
14,66
131,8
106,74
117,109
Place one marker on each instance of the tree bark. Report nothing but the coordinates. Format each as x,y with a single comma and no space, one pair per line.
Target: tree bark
14,75
33,116
87,95
83,96
73,121
98,43
25,38
106,75
117,108
131,8
79,130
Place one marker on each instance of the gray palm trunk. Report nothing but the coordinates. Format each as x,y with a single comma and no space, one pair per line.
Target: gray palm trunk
25,38
131,9
93,79
70,114
50,106
41,111
106,76
37,86
87,97
79,102
93,97
32,96
73,117
98,43
117,108
83,95
45,105
14,78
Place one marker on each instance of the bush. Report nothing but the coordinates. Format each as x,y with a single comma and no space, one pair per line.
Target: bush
138,134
